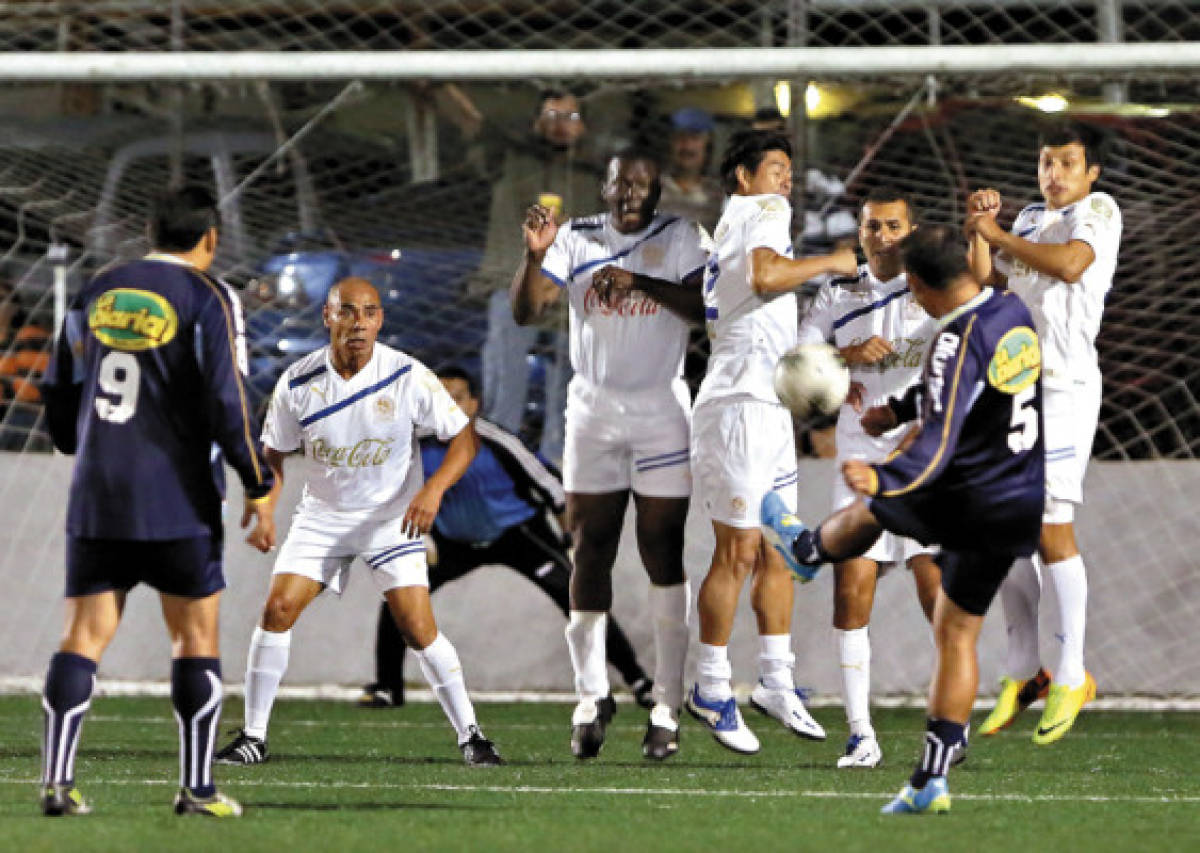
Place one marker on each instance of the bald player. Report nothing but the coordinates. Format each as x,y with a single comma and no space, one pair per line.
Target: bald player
351,408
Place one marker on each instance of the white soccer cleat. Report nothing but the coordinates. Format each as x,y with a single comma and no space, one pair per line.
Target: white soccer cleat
861,751
787,707
723,720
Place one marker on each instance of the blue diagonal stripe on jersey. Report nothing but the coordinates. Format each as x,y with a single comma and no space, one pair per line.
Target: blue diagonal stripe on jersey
383,556
584,267
303,378
553,277
354,398
1027,231
867,309
786,478
710,313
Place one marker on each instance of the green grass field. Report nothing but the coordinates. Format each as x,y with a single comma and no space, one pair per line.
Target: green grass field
343,779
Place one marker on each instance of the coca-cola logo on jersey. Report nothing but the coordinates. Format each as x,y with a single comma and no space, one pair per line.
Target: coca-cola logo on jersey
636,305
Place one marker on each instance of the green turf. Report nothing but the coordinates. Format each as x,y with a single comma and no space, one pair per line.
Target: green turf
343,779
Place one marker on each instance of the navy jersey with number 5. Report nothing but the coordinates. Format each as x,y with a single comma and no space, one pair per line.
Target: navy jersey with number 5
144,386
974,477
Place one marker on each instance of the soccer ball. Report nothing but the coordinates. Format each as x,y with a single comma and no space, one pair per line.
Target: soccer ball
812,379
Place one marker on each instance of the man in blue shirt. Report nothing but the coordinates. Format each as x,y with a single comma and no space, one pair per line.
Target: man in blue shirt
496,514
146,388
969,479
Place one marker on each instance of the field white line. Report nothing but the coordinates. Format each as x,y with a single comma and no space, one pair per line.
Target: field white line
1166,799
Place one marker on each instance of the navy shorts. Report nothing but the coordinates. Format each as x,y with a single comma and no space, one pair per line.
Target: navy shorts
190,568
971,579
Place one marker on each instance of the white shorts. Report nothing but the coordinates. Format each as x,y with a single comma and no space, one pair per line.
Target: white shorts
1070,414
618,440
741,450
321,546
888,548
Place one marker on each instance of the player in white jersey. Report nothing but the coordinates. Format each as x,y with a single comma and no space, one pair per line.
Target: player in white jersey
633,281
1060,258
742,441
351,409
882,333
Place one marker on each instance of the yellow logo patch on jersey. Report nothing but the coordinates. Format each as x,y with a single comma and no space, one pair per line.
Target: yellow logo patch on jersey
132,320
1017,362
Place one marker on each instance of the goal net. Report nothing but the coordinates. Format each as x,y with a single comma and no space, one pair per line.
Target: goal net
391,175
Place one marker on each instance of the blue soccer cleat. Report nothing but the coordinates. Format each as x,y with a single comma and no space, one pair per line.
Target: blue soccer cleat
723,720
781,529
934,798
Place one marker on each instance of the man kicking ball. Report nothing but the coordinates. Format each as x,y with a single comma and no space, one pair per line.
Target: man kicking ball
971,481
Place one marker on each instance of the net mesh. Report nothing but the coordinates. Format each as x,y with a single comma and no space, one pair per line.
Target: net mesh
395,184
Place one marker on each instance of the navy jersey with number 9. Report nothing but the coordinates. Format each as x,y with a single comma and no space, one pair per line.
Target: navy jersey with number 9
146,383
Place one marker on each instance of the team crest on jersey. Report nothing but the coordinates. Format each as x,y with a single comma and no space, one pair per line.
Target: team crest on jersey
385,409
132,320
738,505
1017,362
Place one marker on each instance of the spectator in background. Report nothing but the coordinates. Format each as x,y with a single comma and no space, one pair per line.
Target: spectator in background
769,118
687,190
24,355
550,170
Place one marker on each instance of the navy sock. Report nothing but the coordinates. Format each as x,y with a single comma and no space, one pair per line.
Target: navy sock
65,699
941,736
808,549
196,694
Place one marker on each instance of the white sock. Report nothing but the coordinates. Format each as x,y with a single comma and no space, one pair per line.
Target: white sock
266,662
1070,584
854,653
442,669
1020,594
713,673
586,641
775,661
669,608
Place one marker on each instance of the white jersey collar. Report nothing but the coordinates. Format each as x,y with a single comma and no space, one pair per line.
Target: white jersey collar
978,299
168,258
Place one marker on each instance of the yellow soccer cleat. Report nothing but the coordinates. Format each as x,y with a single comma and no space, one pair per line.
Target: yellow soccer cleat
218,805
1062,707
59,800
1015,696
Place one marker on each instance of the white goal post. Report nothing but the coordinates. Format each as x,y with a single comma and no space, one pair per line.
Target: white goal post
687,65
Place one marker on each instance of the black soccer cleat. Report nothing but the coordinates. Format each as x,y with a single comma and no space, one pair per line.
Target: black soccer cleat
377,696
661,740
587,738
63,800
643,692
478,751
243,749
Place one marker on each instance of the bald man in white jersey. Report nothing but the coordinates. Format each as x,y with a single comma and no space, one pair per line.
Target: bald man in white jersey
742,440
351,409
632,278
1059,257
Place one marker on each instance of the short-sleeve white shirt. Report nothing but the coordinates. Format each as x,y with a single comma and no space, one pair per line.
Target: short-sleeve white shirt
849,311
748,332
639,345
359,434
1067,316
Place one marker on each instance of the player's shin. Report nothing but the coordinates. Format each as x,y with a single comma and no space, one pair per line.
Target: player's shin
941,738
669,606
775,661
443,670
854,654
714,673
196,694
1019,595
266,662
70,681
1070,586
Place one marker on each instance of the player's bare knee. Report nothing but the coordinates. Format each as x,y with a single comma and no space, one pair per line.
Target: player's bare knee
280,613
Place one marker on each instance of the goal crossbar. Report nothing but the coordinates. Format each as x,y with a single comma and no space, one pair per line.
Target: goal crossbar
683,64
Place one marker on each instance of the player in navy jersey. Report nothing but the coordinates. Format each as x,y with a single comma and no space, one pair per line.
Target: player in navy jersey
497,514
146,380
971,480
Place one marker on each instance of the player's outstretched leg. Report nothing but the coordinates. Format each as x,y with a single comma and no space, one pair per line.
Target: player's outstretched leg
784,532
66,698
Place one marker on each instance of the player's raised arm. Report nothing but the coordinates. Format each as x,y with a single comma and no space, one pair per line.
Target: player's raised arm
984,203
1064,261
532,291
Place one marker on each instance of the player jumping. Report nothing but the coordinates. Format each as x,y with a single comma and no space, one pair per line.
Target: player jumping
1059,258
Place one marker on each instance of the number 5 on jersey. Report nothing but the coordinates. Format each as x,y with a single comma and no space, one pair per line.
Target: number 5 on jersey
1023,431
